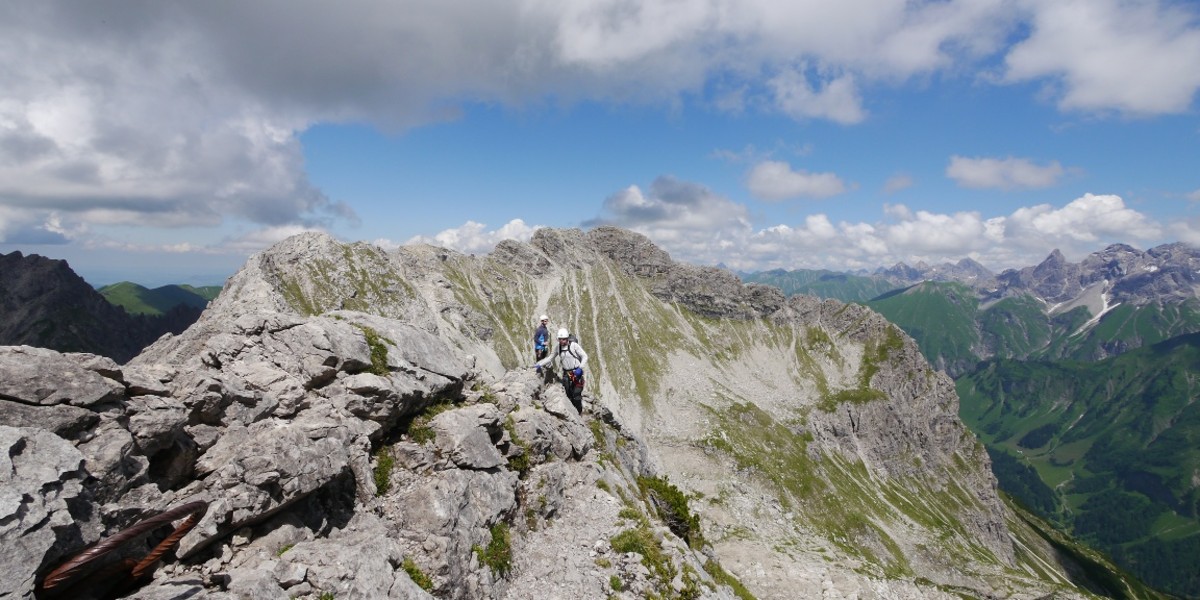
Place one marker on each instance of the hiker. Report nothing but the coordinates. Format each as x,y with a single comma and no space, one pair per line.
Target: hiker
541,339
571,359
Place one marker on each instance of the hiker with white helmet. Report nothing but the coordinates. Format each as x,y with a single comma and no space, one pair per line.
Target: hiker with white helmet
571,359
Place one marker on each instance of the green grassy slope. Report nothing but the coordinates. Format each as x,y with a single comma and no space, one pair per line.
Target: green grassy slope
940,317
1115,446
138,300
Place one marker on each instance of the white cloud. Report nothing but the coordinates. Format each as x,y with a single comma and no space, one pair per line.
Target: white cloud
1003,173
1194,196
838,100
1091,218
774,180
473,237
924,232
685,216
1137,57
1187,231
695,225
672,205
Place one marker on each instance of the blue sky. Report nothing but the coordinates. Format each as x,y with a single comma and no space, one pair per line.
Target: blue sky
166,142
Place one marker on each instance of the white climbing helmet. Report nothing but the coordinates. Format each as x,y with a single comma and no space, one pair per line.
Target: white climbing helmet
563,333
544,318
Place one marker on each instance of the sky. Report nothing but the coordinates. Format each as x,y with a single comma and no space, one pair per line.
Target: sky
165,141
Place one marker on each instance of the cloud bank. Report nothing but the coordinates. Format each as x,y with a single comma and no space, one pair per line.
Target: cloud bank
171,114
695,225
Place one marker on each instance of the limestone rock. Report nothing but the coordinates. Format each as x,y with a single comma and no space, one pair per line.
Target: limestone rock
41,475
45,378
468,436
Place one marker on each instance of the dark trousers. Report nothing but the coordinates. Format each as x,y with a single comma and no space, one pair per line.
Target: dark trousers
574,389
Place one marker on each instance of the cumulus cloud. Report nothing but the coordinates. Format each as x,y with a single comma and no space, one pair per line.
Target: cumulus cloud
1003,173
1134,57
473,237
838,100
775,180
1088,219
671,204
686,216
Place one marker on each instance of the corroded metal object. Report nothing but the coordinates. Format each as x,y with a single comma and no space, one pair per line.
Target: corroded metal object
60,581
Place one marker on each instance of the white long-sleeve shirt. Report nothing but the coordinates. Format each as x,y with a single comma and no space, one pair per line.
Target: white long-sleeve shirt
566,355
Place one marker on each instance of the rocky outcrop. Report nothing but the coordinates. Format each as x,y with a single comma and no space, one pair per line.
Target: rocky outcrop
303,435
708,291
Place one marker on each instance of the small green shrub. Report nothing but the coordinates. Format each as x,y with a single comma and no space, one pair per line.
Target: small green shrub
597,432
418,576
417,425
642,541
379,351
498,554
723,577
672,507
519,462
615,583
635,540
384,463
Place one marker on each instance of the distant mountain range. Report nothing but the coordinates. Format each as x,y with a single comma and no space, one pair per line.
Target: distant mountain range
1081,379
44,303
1111,302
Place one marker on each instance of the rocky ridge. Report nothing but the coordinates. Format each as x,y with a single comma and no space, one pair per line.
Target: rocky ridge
820,453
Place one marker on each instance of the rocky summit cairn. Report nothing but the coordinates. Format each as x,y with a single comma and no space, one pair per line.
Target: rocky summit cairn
365,424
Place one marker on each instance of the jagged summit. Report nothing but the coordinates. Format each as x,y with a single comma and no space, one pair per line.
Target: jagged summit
818,449
1168,273
44,303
